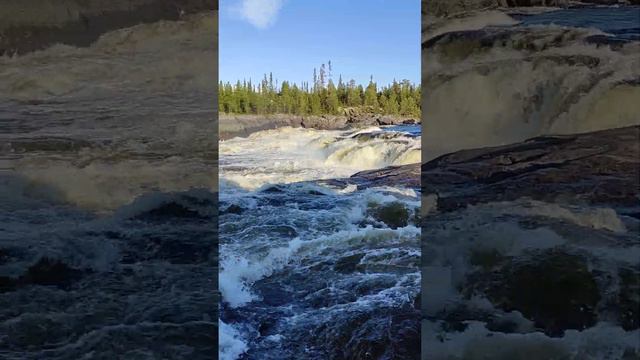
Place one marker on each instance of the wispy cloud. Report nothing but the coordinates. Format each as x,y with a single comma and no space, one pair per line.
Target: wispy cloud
260,13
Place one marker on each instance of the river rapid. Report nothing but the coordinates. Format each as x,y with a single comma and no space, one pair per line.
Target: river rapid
311,270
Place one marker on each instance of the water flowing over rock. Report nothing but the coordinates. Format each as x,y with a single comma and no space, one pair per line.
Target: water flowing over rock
534,244
511,81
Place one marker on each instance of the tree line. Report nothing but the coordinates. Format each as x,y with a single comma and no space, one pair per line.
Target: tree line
323,96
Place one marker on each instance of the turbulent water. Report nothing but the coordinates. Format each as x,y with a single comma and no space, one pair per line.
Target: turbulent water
529,279
621,22
310,270
108,209
489,268
515,77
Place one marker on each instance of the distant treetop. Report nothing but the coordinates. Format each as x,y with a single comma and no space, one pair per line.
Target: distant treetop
323,96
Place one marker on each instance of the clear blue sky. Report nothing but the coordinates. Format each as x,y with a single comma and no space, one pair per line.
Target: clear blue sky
291,37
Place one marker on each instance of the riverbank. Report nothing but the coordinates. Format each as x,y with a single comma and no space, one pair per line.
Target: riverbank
232,125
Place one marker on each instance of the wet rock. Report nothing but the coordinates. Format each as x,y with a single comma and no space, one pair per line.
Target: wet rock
232,209
191,251
373,285
273,293
51,272
555,290
329,297
396,336
406,176
348,264
394,214
486,258
274,189
628,299
599,168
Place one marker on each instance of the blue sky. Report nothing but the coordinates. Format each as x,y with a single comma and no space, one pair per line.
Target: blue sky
291,37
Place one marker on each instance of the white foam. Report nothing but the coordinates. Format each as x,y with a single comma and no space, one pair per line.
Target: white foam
506,95
230,342
287,155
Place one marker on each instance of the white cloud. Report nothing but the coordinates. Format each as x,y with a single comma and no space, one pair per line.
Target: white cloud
260,13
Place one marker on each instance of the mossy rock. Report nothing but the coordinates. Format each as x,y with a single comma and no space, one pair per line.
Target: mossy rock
394,214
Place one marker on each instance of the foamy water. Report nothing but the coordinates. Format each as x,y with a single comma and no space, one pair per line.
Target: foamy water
299,257
557,72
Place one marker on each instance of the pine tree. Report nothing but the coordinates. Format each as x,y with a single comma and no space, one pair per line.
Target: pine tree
333,103
269,97
371,96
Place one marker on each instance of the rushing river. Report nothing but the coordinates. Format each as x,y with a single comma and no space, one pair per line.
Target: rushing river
620,22
308,271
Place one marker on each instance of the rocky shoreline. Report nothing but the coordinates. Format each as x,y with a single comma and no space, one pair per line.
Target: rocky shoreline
29,25
243,125
594,169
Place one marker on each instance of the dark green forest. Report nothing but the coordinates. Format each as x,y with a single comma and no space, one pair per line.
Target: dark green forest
322,96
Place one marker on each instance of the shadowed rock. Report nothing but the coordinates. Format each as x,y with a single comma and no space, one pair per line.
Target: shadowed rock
555,290
404,176
594,168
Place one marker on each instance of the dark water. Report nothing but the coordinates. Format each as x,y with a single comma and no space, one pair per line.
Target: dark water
622,22
311,271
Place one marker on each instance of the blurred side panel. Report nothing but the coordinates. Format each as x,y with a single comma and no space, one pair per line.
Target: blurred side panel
108,183
530,182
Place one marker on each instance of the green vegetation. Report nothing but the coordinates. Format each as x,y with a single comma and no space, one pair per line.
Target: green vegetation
322,97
